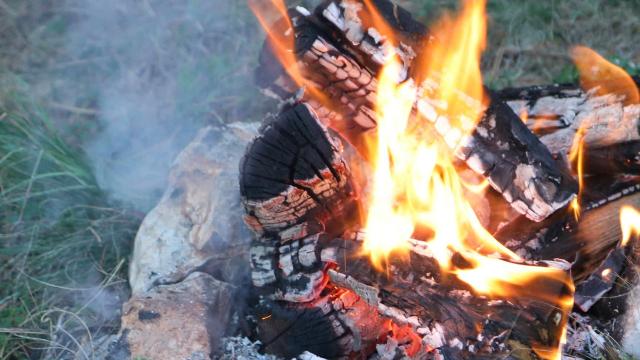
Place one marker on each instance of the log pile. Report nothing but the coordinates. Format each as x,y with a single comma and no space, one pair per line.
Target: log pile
317,292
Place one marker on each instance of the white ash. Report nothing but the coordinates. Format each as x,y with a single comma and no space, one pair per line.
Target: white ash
241,348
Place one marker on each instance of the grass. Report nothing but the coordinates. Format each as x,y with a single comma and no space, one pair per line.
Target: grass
528,41
63,247
64,242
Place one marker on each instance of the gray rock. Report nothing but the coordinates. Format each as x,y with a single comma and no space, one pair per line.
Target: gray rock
199,218
180,321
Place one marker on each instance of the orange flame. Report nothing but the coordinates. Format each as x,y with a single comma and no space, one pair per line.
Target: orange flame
576,156
598,73
415,183
274,19
630,223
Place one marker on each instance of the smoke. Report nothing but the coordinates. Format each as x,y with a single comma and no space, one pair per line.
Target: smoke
159,71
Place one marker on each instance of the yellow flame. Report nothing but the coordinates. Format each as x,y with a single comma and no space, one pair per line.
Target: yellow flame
630,223
415,182
576,156
606,78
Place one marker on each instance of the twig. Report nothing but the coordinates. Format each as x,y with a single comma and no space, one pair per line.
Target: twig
74,109
29,186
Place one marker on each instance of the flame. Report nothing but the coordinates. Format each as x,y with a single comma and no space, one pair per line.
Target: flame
274,19
415,182
630,223
576,156
606,78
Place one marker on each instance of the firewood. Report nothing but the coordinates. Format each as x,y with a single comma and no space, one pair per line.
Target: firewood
609,128
501,148
297,246
443,310
293,183
319,293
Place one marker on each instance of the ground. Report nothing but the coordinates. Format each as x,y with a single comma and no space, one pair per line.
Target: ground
97,97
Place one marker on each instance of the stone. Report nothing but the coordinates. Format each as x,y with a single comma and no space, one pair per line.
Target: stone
182,321
198,222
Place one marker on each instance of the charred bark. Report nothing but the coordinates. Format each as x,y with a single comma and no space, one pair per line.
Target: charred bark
339,57
445,312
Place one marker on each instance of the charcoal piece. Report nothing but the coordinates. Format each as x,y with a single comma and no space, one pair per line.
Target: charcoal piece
622,158
601,280
518,165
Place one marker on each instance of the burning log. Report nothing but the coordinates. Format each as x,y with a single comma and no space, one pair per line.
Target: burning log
445,312
339,59
608,127
317,287
297,194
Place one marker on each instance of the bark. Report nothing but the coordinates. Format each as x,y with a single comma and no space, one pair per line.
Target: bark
330,54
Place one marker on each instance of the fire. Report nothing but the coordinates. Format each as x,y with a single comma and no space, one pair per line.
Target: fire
576,156
274,19
415,182
606,78
630,223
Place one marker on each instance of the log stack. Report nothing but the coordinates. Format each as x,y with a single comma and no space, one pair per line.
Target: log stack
317,293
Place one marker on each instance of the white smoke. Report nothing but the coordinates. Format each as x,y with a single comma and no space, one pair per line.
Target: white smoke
163,70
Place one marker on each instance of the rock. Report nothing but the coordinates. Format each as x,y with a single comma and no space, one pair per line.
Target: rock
198,222
180,321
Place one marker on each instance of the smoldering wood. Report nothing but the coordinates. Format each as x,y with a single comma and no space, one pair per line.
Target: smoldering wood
337,325
620,158
501,148
443,310
592,244
601,280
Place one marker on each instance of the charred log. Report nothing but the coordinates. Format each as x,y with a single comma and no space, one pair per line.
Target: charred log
564,114
502,149
445,312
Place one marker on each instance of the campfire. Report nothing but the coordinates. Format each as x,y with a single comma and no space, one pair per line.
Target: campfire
402,209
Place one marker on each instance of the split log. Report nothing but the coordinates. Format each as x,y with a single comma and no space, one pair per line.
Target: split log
294,184
501,148
609,128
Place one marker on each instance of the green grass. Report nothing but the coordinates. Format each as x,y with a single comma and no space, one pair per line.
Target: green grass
63,247
528,41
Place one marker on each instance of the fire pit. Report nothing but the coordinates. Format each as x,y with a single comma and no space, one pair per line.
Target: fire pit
401,209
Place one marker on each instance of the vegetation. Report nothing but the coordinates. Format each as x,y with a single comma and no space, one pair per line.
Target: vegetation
64,242
63,246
